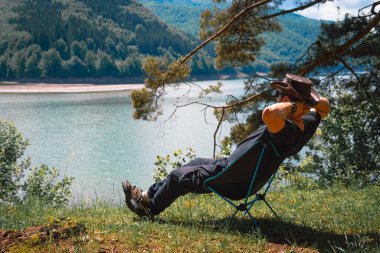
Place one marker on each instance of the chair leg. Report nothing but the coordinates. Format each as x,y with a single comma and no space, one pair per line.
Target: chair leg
232,216
270,208
253,220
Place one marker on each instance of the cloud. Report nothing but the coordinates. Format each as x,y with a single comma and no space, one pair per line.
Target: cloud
335,10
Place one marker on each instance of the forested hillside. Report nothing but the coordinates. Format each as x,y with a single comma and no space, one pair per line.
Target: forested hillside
95,38
83,38
297,32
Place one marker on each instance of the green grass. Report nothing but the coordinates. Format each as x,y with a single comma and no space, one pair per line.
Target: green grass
331,220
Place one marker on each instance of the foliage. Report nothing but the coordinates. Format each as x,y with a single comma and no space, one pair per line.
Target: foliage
241,43
20,182
165,164
160,74
51,64
12,147
84,39
288,45
346,150
42,184
212,89
108,28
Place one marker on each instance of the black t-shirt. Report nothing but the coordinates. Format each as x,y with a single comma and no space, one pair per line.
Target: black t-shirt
288,141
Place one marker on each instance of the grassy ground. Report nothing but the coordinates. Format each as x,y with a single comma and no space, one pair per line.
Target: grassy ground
333,220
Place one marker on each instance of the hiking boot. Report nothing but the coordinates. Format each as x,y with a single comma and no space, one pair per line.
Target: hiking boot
136,200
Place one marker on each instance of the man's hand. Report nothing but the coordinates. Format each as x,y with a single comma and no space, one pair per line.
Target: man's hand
323,107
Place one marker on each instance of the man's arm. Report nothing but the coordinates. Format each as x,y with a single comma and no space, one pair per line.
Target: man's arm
323,107
274,116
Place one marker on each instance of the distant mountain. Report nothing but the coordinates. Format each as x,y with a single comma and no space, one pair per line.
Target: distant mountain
297,33
61,38
98,38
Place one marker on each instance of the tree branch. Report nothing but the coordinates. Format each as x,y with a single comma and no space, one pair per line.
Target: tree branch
216,34
347,66
302,7
331,55
217,129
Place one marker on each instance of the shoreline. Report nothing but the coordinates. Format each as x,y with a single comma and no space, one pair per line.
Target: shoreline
82,85
64,88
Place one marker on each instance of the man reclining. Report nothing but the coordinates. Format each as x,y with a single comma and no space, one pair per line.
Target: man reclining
291,122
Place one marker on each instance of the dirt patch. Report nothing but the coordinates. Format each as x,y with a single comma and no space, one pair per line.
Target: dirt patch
59,230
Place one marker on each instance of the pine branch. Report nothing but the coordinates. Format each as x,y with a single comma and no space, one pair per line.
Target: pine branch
216,34
328,56
300,8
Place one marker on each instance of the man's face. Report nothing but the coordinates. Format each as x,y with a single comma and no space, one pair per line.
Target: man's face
280,97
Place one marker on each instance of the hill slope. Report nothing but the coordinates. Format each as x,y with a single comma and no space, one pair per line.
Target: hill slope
96,38
82,38
297,32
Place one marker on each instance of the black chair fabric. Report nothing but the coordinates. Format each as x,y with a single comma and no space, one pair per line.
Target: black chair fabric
235,180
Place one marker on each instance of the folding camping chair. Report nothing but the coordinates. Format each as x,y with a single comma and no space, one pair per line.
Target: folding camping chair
246,176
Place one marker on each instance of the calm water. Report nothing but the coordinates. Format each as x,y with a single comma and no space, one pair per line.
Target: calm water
93,137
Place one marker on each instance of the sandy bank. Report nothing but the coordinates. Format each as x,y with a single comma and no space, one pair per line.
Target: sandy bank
64,88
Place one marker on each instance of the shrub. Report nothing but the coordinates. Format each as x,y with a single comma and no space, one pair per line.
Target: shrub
163,163
12,147
41,183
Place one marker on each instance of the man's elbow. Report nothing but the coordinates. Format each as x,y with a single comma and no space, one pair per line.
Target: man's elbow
269,114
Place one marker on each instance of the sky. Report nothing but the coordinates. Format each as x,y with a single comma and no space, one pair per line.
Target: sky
331,10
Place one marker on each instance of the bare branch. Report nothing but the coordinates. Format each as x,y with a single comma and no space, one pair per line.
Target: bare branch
333,74
372,12
307,51
362,85
217,129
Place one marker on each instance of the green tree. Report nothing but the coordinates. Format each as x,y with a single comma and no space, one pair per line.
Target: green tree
78,49
346,150
106,65
3,66
62,49
51,64
17,63
110,47
33,49
31,66
121,50
90,61
91,44
76,67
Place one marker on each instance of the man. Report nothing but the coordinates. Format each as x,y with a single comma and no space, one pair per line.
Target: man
289,125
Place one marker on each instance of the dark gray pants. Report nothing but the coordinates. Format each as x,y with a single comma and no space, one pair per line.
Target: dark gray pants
186,179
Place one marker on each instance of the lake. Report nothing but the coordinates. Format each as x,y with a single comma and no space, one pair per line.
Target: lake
94,138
